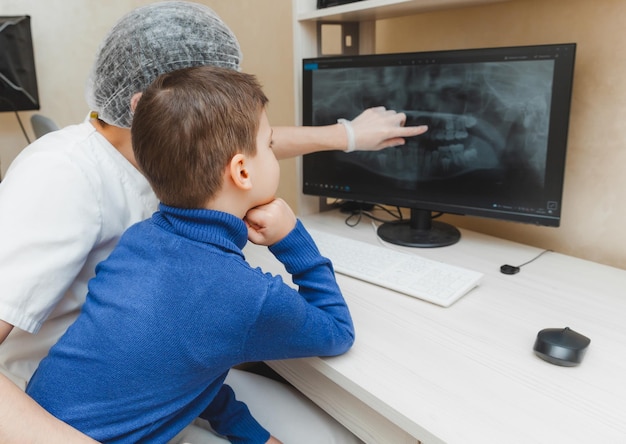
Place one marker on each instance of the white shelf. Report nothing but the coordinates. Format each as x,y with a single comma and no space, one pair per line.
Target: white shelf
380,9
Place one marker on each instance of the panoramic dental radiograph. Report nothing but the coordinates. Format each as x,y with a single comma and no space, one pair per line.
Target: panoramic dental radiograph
483,117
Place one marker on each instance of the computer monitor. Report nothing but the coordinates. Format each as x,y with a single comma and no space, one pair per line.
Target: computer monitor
498,124
18,80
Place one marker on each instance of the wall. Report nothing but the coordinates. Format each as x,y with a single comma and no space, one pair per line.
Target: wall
594,210
264,30
66,34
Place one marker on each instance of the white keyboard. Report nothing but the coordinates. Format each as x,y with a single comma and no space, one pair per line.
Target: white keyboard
415,276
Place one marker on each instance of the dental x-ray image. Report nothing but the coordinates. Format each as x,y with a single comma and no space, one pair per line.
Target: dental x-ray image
481,116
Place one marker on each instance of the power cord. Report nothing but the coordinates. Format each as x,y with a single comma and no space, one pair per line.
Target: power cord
355,217
22,127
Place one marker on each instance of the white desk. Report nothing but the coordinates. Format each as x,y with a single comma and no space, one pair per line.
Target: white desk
467,373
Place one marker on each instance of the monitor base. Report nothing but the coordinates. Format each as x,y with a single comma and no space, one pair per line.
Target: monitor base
420,231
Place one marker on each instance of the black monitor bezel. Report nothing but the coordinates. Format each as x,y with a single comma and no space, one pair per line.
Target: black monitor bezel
557,139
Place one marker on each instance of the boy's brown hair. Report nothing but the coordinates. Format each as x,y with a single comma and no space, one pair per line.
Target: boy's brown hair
187,127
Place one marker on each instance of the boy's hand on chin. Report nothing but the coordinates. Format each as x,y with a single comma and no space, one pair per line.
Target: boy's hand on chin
269,223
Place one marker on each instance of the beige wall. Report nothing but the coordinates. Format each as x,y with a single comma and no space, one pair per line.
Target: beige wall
67,33
264,30
594,209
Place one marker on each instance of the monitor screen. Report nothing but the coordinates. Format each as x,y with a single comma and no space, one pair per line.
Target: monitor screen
498,124
18,81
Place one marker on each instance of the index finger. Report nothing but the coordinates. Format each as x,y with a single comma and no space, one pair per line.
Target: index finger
409,131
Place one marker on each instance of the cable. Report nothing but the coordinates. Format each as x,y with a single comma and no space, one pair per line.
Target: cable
358,214
348,219
22,126
514,269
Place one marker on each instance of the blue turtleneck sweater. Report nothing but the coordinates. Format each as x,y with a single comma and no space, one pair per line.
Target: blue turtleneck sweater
172,309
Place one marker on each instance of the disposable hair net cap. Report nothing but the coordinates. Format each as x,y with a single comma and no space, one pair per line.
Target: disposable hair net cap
150,41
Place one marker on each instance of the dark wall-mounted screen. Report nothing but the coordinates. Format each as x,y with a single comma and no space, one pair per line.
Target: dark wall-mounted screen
18,80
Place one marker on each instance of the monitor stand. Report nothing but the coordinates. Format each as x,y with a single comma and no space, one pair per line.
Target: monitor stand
419,231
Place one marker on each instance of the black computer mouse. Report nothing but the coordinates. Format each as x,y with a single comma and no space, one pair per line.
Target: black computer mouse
561,346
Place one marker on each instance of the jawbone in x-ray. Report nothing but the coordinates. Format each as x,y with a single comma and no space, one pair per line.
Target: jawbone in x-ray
490,118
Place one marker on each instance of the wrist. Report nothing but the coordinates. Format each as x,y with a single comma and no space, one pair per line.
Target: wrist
350,137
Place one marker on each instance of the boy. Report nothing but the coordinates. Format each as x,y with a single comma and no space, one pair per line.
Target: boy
175,306
69,196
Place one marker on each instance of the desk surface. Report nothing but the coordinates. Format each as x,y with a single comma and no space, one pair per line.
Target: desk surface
468,373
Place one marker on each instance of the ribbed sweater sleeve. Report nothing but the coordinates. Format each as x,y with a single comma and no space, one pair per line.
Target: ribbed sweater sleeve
312,321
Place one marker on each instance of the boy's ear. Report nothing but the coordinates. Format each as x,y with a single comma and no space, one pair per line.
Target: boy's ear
134,100
239,172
